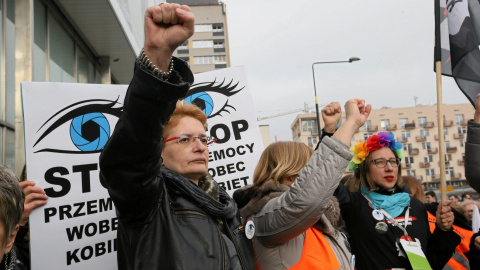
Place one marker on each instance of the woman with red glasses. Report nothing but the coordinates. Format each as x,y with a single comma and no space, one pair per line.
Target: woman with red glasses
171,214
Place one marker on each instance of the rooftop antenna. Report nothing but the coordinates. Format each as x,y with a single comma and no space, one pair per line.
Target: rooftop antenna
415,98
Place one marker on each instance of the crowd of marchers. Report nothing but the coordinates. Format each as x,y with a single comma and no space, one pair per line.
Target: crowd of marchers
300,212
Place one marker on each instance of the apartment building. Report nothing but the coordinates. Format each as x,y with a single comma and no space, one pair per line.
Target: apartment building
207,49
417,129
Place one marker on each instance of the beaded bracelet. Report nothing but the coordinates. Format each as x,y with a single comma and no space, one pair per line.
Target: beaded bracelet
145,61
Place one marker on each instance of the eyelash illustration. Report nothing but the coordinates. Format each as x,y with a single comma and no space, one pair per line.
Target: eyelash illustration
89,128
199,96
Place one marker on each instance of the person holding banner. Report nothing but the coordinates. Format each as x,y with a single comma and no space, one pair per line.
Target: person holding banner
171,214
11,209
388,228
291,214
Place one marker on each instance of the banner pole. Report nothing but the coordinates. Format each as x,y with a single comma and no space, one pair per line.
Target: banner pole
441,135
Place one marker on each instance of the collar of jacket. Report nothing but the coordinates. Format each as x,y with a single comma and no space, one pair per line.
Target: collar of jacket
251,200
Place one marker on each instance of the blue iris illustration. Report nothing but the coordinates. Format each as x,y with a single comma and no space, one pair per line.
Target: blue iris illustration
90,132
203,100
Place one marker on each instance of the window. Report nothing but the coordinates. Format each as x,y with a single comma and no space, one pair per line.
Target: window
411,173
448,157
422,121
312,141
218,44
183,47
405,134
220,59
203,28
198,44
430,172
445,131
424,133
368,125
459,119
409,160
366,135
203,60
428,159
403,121
449,171
217,28
407,147
426,146
462,143
309,125
385,123
462,130
447,144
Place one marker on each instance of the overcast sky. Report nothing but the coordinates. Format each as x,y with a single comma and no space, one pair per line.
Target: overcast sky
277,42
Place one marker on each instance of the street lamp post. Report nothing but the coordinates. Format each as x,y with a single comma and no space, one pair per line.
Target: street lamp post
352,59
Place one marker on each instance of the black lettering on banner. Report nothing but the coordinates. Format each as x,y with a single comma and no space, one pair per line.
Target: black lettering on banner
238,127
229,168
234,183
54,180
91,229
230,152
85,170
226,131
65,211
88,252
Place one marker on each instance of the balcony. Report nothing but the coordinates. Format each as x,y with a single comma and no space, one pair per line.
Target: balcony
436,137
371,129
455,176
432,151
410,125
458,135
402,139
426,125
436,177
218,50
413,151
448,123
461,162
420,177
424,164
421,138
452,149
391,127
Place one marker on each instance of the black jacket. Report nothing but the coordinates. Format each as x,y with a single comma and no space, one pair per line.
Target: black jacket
472,152
160,227
378,251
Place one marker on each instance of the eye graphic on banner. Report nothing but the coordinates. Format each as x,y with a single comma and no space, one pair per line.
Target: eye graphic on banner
211,98
85,123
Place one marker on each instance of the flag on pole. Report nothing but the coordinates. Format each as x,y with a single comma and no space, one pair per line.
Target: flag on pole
459,29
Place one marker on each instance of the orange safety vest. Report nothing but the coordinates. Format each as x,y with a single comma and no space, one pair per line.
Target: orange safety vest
317,253
458,261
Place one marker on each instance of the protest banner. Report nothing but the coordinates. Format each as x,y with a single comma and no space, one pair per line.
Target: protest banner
66,127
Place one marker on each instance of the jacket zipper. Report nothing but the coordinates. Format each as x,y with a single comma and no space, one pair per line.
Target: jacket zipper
239,229
224,253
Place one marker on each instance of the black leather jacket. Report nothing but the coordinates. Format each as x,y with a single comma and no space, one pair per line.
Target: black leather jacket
159,227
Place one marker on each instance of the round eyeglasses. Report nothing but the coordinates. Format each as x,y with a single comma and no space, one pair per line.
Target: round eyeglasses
186,139
382,163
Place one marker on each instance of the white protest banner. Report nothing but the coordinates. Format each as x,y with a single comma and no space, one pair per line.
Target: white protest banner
67,125
225,98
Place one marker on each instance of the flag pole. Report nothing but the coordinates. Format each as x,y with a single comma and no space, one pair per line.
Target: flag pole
438,70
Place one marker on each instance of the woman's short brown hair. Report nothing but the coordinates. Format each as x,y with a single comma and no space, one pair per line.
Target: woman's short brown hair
185,110
281,160
11,201
362,174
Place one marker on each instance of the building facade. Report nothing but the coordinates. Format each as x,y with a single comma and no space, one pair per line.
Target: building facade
207,49
417,129
88,41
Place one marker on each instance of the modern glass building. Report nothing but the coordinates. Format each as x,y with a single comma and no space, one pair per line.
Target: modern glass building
87,41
